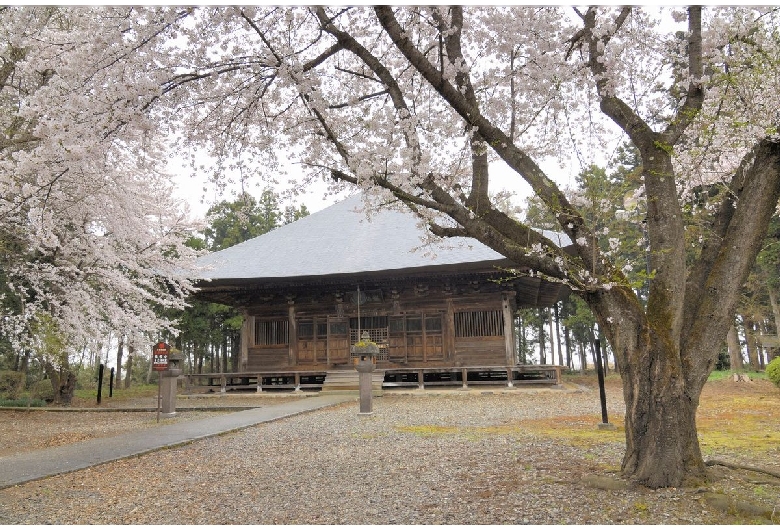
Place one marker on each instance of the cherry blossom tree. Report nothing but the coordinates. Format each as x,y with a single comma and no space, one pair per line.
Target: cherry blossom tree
92,239
412,105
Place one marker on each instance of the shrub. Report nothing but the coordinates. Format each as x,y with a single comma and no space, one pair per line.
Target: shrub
43,390
22,402
11,384
773,371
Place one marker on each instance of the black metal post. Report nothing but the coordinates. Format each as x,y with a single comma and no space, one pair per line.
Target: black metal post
600,373
111,384
646,242
100,383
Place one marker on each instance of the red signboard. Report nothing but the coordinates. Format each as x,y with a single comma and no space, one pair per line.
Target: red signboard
160,356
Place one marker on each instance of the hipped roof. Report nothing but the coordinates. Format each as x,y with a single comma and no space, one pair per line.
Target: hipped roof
340,240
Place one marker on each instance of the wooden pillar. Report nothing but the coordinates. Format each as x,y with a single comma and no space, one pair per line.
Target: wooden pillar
449,332
292,332
508,307
247,338
327,343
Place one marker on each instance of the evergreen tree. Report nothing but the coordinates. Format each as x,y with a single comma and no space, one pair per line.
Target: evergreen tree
206,328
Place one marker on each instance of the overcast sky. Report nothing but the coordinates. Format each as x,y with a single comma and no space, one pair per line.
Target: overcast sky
191,190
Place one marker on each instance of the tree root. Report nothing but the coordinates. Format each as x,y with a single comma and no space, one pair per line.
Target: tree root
713,462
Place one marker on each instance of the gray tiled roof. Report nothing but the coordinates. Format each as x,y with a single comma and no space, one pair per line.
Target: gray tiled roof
341,240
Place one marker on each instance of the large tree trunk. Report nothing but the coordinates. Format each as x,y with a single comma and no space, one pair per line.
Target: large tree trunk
662,405
542,355
735,352
63,382
776,314
666,353
129,368
752,344
762,341
522,340
150,369
657,398
120,352
558,335
552,336
224,367
235,352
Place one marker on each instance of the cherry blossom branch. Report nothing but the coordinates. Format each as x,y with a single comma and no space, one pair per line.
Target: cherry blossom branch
695,92
569,218
715,282
385,76
451,37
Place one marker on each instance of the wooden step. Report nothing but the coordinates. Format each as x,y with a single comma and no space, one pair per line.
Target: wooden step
349,380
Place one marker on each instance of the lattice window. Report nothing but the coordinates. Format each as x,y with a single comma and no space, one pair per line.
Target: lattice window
322,329
338,328
378,335
397,326
309,329
371,322
433,324
272,332
479,324
306,329
414,324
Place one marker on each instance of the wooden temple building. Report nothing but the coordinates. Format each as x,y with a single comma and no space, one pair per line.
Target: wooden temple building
441,313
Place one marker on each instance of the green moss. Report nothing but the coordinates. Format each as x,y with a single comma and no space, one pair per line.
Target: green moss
135,391
428,430
744,423
666,148
581,431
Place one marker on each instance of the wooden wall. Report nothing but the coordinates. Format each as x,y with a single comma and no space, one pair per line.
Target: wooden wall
480,351
426,321
261,358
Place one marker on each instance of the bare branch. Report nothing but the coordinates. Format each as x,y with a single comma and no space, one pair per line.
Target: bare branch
361,98
324,56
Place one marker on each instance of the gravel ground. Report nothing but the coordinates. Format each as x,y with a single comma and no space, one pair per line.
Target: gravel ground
475,457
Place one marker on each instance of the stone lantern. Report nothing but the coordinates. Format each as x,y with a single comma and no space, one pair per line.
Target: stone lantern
365,353
168,380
